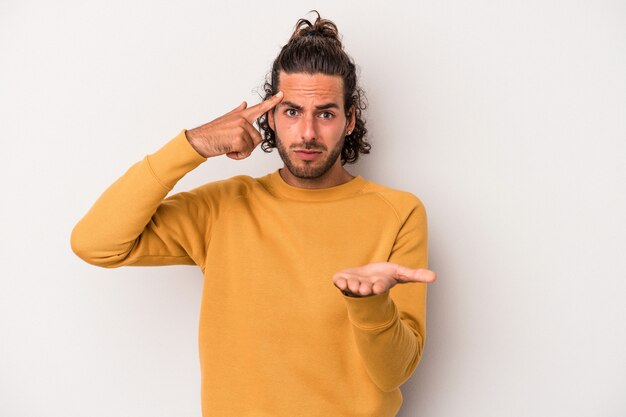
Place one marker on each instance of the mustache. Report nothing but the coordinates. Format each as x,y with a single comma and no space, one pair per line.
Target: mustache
309,146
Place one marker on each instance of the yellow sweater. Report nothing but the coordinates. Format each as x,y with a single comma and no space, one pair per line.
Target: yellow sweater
276,337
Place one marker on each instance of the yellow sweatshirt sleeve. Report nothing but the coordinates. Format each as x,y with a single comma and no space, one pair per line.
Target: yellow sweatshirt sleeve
390,328
132,223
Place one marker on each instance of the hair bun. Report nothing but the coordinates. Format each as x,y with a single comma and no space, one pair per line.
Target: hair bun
320,28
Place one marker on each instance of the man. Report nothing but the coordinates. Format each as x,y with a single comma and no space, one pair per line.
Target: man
314,297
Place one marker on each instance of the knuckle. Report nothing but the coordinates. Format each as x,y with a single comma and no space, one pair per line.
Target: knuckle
245,144
239,142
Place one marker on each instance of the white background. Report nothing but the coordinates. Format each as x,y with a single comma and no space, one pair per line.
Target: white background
507,118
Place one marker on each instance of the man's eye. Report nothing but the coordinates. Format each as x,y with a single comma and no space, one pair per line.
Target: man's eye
327,115
291,112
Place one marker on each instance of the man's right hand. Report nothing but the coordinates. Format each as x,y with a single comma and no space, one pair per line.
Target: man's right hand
233,133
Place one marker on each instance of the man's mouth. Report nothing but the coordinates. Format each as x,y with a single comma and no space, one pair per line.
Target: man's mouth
307,154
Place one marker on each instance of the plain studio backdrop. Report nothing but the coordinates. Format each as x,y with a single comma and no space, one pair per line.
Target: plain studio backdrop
507,118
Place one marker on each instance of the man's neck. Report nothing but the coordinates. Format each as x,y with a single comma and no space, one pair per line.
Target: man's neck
332,178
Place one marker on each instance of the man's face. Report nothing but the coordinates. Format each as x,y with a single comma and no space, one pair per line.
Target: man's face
310,123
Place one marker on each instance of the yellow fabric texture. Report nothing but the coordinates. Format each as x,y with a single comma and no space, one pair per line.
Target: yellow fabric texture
276,337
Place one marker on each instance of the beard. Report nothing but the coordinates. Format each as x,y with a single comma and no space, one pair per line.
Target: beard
309,169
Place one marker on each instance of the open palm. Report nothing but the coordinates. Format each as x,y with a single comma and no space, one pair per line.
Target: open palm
378,277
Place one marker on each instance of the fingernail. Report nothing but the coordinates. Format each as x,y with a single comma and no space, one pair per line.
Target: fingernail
279,94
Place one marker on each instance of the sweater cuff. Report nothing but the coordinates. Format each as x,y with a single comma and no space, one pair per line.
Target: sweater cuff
371,312
173,160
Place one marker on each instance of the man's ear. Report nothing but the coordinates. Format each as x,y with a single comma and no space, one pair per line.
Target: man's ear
270,119
351,120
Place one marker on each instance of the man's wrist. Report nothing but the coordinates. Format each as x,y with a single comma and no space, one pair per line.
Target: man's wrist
193,141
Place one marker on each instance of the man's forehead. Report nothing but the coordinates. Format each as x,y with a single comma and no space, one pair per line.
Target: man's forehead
303,90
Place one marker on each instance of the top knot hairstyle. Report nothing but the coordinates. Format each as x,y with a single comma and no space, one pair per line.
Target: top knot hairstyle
316,48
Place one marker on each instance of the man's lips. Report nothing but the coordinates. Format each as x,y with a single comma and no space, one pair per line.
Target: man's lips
307,154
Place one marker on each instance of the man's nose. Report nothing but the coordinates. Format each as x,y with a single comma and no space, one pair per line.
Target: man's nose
308,129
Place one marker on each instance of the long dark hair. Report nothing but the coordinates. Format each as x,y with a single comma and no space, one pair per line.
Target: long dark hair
316,48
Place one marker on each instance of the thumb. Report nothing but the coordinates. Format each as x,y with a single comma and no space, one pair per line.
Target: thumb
242,106
415,275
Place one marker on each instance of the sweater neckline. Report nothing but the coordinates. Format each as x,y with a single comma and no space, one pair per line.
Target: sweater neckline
280,187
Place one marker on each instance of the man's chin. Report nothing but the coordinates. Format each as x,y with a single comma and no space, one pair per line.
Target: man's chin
310,170
306,172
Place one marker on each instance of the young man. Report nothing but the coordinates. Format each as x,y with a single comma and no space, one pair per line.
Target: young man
301,312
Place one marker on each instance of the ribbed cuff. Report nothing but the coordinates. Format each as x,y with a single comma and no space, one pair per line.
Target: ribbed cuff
173,160
371,312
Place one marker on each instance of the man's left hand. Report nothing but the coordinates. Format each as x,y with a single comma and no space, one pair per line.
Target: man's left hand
378,277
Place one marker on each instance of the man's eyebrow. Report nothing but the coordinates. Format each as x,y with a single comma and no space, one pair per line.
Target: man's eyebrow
287,103
327,106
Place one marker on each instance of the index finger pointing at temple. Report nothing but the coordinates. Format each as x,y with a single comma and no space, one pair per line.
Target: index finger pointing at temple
254,112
